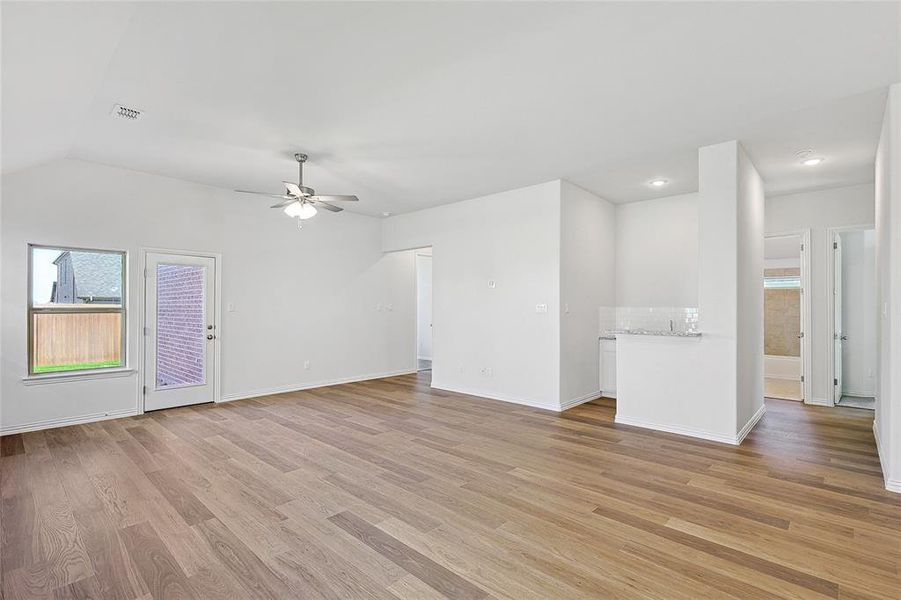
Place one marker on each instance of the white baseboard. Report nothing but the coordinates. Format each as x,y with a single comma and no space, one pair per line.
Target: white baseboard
493,396
892,485
308,386
79,420
567,404
423,358
733,440
687,431
744,431
859,394
609,394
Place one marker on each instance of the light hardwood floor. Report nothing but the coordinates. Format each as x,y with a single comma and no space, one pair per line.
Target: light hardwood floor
388,489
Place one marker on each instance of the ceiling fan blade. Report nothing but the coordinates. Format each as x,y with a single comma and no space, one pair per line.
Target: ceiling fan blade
266,194
336,198
326,205
293,189
285,203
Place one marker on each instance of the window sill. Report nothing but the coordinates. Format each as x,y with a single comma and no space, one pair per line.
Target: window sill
77,376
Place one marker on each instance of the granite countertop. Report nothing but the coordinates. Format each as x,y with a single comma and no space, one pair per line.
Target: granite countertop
611,334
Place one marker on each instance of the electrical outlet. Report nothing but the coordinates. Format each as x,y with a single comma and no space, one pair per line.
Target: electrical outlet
541,308
306,365
230,307
378,307
492,284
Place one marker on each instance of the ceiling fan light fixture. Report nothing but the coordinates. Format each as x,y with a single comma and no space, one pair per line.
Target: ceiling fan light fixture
301,210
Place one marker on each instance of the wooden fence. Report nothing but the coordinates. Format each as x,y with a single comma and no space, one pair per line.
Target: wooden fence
77,338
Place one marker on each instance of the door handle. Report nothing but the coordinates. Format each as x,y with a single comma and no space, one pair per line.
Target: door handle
843,338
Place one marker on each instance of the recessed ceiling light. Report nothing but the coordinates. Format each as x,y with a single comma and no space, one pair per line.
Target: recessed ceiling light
812,161
658,182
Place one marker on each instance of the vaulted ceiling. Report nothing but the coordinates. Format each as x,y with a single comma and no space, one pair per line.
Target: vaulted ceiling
410,105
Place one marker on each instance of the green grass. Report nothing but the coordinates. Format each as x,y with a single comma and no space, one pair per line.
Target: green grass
77,366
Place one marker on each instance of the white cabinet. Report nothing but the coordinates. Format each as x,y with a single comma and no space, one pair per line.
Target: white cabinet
608,368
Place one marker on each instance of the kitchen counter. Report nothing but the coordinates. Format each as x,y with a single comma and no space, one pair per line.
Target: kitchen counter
611,335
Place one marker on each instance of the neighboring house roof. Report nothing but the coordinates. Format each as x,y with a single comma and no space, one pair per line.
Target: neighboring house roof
98,275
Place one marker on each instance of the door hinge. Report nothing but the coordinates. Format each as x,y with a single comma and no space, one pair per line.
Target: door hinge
802,247
835,381
146,330
835,245
145,272
144,390
802,379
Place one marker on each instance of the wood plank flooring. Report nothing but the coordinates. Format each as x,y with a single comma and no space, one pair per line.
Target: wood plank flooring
388,489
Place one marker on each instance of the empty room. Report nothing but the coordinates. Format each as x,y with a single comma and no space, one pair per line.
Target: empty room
463,300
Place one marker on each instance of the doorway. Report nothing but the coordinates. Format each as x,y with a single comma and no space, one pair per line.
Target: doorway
180,330
853,320
424,309
786,316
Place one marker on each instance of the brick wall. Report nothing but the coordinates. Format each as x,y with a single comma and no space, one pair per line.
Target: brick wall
181,331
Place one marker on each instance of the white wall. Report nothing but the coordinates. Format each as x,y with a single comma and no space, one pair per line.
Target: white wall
888,291
709,387
818,211
299,295
750,241
657,252
424,306
587,274
859,312
513,239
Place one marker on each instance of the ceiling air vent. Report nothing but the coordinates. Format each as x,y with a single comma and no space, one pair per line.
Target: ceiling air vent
124,112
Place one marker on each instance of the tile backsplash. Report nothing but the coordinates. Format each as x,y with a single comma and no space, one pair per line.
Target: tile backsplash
652,318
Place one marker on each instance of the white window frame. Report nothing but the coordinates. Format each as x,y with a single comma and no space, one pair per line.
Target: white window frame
62,309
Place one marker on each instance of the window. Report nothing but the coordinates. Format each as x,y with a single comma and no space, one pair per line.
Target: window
76,309
782,282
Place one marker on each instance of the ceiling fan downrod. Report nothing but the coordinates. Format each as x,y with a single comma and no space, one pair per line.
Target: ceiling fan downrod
300,158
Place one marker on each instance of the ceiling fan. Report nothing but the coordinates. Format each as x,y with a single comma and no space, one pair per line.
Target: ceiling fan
300,201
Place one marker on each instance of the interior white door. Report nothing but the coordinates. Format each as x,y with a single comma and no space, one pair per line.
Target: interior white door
424,306
837,334
803,313
180,339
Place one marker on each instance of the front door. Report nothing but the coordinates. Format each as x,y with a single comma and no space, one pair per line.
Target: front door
180,339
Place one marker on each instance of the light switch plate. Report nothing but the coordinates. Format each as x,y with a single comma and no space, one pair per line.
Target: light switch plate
541,308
